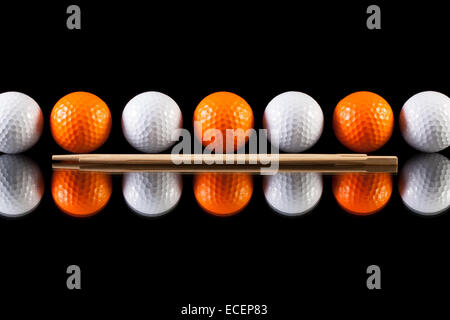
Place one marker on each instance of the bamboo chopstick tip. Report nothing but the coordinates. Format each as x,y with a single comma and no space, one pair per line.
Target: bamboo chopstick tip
66,157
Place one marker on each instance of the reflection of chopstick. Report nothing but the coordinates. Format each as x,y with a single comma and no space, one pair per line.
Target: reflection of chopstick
326,169
230,159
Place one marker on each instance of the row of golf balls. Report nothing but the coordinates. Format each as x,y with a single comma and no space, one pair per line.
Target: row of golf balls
424,187
363,121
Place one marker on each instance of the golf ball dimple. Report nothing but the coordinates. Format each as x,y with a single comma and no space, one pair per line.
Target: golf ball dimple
294,121
363,121
80,122
221,117
21,122
223,194
21,185
425,184
152,194
293,194
362,194
425,121
81,194
149,120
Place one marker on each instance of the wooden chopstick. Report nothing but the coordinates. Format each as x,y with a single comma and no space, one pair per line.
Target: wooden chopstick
250,169
229,159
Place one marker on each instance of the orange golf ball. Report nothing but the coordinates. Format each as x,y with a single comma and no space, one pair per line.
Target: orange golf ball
363,121
81,194
80,122
221,111
223,194
362,194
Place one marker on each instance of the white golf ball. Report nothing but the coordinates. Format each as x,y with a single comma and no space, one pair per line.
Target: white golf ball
425,184
149,120
294,121
425,121
152,194
21,185
21,122
293,194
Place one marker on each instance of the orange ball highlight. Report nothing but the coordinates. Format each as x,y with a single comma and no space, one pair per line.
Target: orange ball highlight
362,194
218,112
363,121
223,194
80,122
81,194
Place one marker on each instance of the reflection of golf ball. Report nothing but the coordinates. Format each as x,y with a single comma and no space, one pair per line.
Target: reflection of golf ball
152,194
362,194
223,194
363,121
149,120
425,121
81,194
294,121
21,185
293,194
21,122
425,184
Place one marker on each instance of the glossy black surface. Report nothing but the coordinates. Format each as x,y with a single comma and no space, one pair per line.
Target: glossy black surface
312,263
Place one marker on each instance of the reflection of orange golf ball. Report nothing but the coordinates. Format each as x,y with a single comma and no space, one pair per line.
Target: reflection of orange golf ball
223,194
363,121
80,122
362,194
81,194
221,111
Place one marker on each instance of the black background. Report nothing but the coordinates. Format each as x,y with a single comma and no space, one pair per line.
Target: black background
257,50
